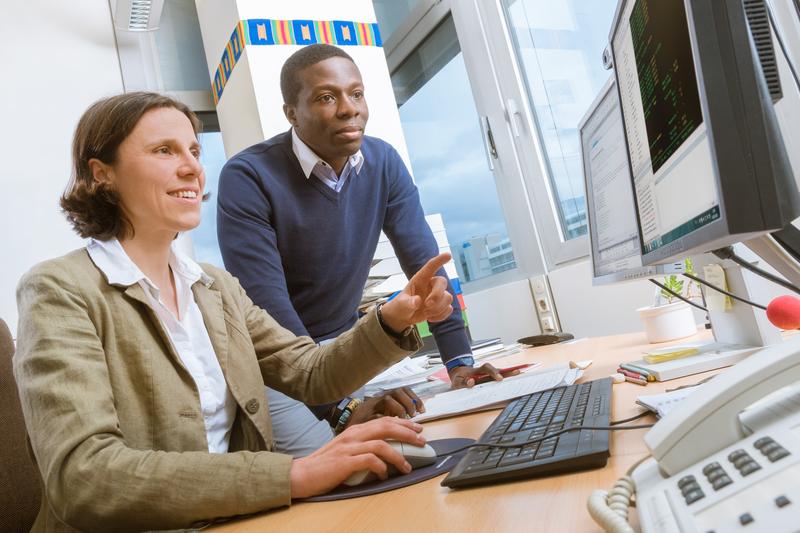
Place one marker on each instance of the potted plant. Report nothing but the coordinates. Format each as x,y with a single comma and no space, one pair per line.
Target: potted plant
670,318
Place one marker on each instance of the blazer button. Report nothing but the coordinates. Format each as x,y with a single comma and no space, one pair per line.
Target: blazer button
252,406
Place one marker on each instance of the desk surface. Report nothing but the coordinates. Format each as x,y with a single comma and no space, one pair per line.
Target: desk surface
545,504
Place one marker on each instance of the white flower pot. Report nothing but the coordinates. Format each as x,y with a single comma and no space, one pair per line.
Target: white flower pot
668,322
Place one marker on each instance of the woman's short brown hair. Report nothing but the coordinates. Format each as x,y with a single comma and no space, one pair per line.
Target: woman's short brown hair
92,207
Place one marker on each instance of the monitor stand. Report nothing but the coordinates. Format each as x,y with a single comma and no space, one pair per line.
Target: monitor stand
738,332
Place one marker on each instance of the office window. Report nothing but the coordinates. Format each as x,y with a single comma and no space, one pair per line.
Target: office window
559,47
448,158
204,236
391,14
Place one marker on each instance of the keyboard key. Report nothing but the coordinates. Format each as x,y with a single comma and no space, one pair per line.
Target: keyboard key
746,518
782,501
544,453
478,467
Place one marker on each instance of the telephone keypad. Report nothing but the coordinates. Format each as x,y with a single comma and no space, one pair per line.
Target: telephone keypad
742,461
711,467
771,449
690,489
717,475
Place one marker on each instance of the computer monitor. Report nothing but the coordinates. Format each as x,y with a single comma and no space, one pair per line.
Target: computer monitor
707,161
613,232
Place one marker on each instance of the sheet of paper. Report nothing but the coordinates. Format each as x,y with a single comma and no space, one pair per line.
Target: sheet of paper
663,404
404,373
490,394
716,301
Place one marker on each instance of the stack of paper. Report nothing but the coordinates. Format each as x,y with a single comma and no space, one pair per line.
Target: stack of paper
406,373
496,394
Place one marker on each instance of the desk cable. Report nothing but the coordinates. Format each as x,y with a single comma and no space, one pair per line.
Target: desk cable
551,435
545,437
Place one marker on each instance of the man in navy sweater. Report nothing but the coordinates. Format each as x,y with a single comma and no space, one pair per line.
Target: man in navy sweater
298,221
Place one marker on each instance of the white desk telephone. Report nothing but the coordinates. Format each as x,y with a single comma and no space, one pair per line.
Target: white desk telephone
725,460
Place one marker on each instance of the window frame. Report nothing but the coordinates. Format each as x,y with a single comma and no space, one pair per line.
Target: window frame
557,250
506,173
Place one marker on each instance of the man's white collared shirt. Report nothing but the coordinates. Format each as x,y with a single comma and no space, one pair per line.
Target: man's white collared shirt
311,163
188,334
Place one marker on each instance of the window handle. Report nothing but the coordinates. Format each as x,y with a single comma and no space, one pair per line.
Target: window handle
488,141
513,114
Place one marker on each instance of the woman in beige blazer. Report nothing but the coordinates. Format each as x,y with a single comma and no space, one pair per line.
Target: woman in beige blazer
141,373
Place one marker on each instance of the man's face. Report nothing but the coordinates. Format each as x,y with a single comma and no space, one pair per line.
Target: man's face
331,111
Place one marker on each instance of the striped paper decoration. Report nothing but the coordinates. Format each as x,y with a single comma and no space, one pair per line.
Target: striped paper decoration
260,32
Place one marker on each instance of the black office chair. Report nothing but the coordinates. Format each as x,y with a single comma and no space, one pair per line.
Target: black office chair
20,488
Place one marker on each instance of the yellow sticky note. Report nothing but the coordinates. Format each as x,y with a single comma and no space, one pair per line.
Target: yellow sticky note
716,301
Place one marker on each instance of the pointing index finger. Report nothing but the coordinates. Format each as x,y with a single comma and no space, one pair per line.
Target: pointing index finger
432,267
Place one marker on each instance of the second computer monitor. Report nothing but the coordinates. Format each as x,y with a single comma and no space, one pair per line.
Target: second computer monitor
708,163
613,232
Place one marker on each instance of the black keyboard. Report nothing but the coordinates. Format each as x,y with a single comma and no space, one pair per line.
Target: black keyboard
538,415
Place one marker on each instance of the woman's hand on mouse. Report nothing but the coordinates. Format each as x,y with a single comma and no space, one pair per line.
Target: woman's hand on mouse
361,447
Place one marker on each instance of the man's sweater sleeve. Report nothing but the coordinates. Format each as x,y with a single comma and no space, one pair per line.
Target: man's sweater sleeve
248,242
414,245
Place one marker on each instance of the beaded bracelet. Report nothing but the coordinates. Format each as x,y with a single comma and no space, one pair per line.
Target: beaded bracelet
352,405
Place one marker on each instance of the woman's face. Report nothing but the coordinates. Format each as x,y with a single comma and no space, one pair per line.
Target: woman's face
157,174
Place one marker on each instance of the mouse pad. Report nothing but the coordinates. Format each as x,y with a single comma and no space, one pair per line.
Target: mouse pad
444,463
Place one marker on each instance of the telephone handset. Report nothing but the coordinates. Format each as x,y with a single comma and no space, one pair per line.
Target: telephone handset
726,458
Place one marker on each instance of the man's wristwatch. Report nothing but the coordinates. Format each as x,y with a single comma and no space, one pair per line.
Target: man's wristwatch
465,360
389,331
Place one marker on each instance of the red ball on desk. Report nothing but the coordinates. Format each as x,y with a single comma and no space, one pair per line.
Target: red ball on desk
784,312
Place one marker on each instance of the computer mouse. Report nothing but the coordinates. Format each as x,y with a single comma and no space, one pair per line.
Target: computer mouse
545,339
417,457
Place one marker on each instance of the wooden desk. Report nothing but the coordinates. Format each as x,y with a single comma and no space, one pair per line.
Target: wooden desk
547,504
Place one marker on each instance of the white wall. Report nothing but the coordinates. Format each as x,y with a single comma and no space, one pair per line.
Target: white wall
506,311
585,310
58,57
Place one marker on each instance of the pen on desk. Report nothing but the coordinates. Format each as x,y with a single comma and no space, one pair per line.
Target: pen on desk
638,381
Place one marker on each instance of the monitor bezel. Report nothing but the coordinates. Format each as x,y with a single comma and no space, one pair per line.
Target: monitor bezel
630,274
739,218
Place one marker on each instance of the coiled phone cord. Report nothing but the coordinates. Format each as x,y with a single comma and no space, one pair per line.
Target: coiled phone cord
609,509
